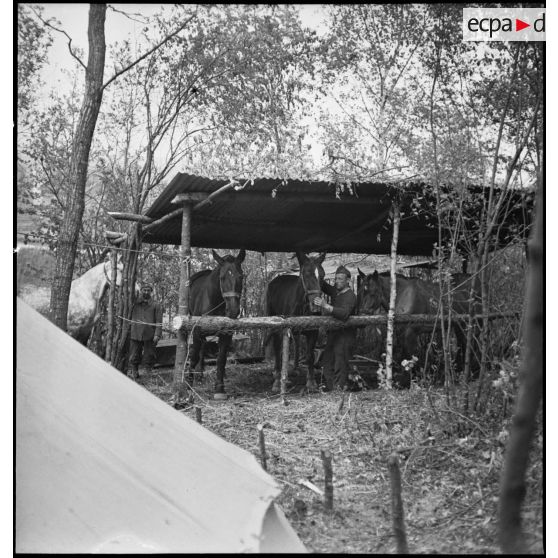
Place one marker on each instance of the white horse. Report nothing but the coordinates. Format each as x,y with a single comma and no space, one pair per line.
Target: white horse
85,295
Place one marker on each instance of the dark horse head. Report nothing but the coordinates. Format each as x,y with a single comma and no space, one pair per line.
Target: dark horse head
230,281
311,272
371,296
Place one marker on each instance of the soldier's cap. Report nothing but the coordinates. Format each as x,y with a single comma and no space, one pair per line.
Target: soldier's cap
147,286
343,269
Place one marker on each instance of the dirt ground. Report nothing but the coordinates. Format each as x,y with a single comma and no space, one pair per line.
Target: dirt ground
450,464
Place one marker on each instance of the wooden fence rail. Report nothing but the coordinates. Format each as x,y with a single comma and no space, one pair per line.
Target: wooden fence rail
223,324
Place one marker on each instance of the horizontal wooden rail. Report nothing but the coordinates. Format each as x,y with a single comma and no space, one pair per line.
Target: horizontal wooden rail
220,323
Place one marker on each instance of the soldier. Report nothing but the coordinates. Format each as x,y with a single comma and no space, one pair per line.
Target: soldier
340,342
147,316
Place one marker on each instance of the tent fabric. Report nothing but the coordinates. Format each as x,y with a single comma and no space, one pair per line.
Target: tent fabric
272,214
102,465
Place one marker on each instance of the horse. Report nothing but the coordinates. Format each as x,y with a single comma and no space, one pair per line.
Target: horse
216,292
415,296
288,295
85,295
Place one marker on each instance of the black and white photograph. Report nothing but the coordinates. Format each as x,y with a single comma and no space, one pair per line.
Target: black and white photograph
280,278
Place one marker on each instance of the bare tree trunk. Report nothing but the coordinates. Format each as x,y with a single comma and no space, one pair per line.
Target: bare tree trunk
110,307
183,297
392,295
126,297
75,203
484,332
512,485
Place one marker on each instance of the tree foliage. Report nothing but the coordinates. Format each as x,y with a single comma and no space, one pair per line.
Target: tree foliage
33,41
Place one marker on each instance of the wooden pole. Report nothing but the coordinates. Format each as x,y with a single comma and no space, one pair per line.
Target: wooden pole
285,361
261,440
328,480
121,216
198,414
115,237
513,486
397,505
164,219
392,295
183,296
110,306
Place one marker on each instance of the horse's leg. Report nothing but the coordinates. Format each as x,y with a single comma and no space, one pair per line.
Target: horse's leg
296,340
200,366
196,347
225,340
276,340
311,338
328,361
349,340
410,342
410,348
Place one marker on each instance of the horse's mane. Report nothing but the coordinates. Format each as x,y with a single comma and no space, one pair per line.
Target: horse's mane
201,273
228,258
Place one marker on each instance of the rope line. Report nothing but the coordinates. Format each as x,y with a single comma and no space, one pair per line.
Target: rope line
99,245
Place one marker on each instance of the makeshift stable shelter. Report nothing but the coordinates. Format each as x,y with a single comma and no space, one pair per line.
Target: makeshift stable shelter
273,214
104,466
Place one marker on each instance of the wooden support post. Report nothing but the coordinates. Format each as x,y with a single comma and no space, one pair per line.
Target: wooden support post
198,414
397,505
392,294
110,305
261,440
183,296
328,480
285,361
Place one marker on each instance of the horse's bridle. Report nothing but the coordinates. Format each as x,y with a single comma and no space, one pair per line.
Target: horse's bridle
231,293
106,274
309,292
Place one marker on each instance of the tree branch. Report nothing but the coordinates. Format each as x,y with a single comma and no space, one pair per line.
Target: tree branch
149,52
48,24
129,16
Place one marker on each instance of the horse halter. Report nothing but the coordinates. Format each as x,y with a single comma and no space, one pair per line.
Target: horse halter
109,281
311,291
231,293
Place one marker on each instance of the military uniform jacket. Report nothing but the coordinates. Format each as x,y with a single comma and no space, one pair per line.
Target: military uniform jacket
344,302
143,314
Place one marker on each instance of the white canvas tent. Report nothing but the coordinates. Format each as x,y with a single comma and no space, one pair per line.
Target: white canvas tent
102,465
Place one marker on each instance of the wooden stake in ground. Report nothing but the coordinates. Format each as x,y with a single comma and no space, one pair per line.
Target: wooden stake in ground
261,439
392,294
397,505
198,414
328,480
285,361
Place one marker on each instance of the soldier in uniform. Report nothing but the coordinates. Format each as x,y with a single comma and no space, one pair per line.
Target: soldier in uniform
340,343
147,316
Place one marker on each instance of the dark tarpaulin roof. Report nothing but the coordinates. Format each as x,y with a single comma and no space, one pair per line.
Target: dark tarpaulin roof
273,215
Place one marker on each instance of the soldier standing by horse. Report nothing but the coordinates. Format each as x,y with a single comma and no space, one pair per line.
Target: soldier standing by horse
147,316
340,343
